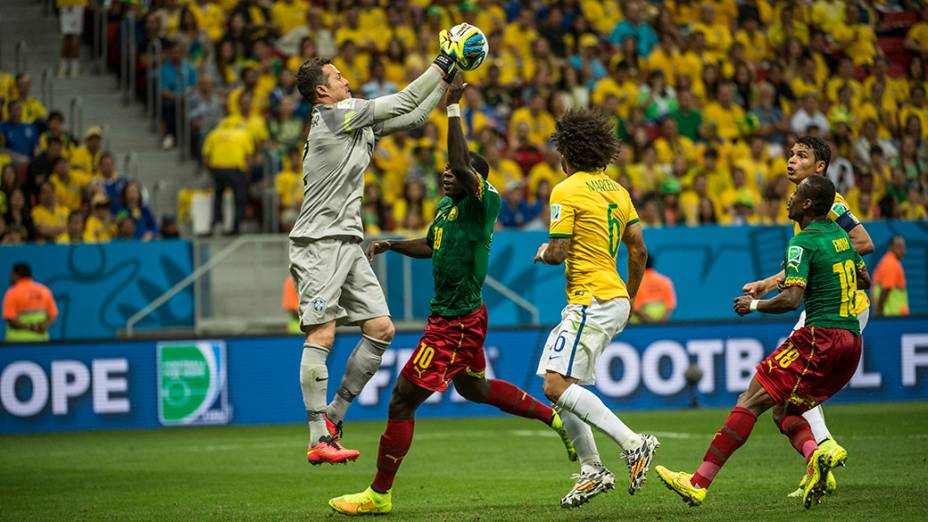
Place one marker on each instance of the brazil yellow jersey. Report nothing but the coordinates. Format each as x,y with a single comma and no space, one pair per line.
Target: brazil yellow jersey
841,214
594,211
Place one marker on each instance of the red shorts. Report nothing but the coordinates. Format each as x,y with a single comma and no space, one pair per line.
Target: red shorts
813,364
449,345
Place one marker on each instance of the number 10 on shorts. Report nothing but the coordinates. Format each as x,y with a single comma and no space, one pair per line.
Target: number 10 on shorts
423,357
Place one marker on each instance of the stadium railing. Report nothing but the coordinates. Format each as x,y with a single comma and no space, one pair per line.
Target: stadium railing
234,280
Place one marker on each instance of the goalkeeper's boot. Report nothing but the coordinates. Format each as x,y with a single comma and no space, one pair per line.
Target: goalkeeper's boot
588,485
329,451
334,428
558,426
367,502
817,478
681,484
638,460
831,485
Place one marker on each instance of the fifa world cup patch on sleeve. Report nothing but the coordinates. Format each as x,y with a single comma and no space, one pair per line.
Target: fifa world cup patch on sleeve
555,212
345,104
838,209
794,255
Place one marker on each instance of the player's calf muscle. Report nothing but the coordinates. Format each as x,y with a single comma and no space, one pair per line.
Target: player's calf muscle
554,385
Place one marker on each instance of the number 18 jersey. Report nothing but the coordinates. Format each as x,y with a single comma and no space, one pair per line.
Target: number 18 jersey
594,211
822,260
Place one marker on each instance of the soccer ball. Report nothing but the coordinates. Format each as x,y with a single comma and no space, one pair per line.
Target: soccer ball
472,44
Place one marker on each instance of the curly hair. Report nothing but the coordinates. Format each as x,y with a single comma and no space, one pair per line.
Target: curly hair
586,139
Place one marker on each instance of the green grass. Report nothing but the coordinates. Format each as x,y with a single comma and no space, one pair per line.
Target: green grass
471,469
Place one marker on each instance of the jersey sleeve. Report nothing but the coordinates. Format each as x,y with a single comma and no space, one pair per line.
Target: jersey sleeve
348,115
489,200
798,257
562,215
841,214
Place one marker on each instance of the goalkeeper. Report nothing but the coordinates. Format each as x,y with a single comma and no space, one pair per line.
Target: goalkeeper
333,278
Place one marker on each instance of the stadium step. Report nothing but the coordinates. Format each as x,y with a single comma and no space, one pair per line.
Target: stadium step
128,132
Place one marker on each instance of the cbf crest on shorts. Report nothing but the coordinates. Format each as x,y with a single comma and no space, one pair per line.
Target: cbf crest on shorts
319,305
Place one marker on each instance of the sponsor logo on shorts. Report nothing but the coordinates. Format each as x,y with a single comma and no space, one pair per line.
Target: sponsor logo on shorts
319,305
192,385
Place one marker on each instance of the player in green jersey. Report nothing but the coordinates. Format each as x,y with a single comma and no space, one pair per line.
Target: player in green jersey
814,363
451,350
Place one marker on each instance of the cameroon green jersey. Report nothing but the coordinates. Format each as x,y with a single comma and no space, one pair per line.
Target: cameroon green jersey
822,259
460,237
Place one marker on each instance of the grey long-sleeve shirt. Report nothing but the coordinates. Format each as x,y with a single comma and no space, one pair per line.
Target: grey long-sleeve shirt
339,146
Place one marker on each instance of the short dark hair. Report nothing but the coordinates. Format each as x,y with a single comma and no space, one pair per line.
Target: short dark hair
22,269
479,164
55,115
586,139
821,191
310,75
820,149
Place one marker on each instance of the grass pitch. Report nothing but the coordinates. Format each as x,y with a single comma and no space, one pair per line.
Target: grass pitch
463,469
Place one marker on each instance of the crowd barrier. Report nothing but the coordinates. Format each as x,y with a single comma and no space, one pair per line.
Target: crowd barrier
147,384
99,287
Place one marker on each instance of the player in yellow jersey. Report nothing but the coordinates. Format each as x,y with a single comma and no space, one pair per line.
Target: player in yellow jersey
590,215
809,156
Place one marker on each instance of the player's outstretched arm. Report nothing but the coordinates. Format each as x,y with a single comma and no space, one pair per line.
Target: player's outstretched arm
418,248
758,289
414,119
458,153
637,258
415,94
786,301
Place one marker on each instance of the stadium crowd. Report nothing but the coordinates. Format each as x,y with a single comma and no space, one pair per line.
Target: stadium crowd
707,96
59,189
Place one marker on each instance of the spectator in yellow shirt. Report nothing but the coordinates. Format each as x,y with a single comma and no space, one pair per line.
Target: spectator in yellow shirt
99,227
289,187
724,114
787,26
210,18
503,171
86,158
918,108
916,40
672,144
227,152
287,15
753,39
857,38
619,85
74,234
845,76
69,186
718,35
548,170
49,218
540,121
520,35
33,109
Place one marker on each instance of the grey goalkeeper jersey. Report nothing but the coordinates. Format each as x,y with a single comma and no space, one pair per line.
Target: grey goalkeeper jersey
338,150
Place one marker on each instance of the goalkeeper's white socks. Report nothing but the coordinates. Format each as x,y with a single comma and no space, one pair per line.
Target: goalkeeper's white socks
589,408
581,436
362,365
314,380
816,420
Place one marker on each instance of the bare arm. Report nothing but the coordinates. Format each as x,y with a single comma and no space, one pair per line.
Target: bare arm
637,258
458,153
553,252
860,238
786,301
415,248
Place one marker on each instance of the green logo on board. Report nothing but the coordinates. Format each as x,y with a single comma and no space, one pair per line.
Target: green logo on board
192,385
